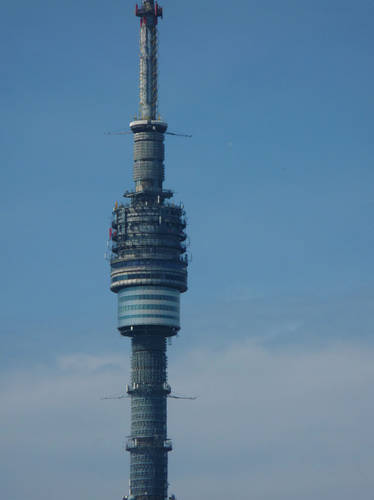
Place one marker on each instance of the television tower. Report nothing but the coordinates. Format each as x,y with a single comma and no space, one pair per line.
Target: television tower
148,274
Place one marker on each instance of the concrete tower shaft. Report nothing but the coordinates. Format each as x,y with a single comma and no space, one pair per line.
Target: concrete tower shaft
148,443
148,274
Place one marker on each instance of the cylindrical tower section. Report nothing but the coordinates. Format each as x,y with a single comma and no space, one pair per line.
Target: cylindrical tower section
148,444
148,377
147,305
149,153
149,265
148,161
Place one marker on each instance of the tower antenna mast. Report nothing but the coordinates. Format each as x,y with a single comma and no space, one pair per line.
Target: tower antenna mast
149,12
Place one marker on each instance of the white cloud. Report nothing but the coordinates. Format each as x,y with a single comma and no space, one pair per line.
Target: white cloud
269,424
276,425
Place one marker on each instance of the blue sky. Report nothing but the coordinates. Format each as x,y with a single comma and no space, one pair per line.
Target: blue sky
277,182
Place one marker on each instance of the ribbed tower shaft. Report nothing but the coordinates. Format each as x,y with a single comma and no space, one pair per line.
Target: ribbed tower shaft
148,444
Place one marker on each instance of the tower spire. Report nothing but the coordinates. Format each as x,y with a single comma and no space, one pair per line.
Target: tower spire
149,12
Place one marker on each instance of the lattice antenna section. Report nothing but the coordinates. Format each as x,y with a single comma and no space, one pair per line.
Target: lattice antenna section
148,93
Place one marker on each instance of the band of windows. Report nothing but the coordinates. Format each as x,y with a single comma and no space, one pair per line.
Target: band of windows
126,298
162,276
131,316
155,307
148,262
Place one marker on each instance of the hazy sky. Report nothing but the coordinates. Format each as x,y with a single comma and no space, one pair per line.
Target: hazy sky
277,182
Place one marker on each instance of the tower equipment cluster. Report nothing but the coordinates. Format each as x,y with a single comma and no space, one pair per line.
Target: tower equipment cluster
148,274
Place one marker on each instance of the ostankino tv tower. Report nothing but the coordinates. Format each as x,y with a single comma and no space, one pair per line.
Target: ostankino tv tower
148,274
